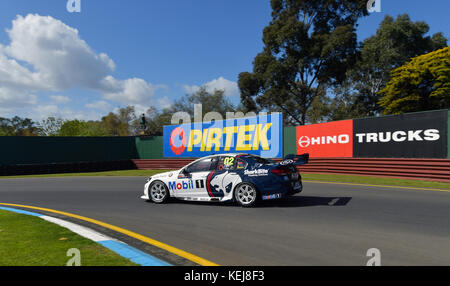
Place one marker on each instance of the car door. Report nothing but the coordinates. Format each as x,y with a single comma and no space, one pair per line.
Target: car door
224,177
193,179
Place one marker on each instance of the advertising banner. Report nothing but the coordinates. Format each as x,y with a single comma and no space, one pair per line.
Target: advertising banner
326,140
416,135
261,135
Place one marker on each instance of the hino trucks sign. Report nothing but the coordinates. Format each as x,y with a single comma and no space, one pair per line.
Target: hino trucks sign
416,135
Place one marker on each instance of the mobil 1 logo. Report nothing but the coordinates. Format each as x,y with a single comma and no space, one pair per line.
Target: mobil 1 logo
416,135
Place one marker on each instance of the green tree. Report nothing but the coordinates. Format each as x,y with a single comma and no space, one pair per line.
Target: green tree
345,103
50,126
80,128
120,123
5,127
395,43
308,46
422,84
17,126
72,128
211,102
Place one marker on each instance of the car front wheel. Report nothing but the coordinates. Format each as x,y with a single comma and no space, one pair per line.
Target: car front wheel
246,195
158,192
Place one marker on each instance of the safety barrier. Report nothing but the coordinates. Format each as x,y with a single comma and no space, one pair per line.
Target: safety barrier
425,169
59,168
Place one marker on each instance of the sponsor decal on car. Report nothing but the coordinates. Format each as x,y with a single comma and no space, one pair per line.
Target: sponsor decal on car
256,173
287,162
271,197
185,185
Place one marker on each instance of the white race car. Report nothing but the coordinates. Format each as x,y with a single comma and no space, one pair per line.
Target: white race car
242,178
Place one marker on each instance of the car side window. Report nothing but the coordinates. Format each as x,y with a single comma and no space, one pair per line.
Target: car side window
241,164
204,165
226,163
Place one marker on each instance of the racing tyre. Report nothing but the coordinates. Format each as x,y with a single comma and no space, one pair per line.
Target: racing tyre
246,195
158,192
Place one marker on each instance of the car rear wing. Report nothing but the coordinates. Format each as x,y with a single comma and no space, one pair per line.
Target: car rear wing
295,160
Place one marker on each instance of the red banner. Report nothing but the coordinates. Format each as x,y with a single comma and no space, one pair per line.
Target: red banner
326,140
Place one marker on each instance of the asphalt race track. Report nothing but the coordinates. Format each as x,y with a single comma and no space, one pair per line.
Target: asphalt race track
328,224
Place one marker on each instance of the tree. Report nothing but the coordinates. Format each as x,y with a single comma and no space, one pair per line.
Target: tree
346,103
308,46
50,126
211,102
80,128
422,84
120,123
395,43
17,126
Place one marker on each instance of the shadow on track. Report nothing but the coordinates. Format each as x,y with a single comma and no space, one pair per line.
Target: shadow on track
305,201
290,202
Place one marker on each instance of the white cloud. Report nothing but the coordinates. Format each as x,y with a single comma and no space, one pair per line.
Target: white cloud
44,54
100,105
15,98
59,56
41,112
229,87
164,102
60,99
131,91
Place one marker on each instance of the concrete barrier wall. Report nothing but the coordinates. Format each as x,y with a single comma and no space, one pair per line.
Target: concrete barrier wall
46,150
448,134
71,154
425,169
149,147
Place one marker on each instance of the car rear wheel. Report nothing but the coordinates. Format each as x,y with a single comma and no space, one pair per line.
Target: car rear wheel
246,195
158,192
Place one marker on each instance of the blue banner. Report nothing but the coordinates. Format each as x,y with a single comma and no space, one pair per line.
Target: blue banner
260,135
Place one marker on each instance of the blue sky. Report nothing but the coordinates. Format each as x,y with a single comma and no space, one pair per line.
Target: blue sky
158,49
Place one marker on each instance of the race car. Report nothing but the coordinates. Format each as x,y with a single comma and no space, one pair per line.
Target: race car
243,178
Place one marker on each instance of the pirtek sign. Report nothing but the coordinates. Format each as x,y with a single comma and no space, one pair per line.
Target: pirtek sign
261,135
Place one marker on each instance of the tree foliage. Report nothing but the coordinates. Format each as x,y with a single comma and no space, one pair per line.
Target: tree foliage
17,126
211,102
80,128
308,45
119,123
50,126
422,84
395,43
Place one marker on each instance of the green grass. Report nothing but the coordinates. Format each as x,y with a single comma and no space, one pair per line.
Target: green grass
124,173
375,181
307,177
30,241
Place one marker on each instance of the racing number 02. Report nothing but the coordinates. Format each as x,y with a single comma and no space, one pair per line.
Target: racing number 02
228,161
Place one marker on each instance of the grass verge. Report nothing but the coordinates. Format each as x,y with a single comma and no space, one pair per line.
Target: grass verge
123,173
307,177
30,241
382,181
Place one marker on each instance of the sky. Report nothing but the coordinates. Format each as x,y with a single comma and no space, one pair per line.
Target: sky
142,53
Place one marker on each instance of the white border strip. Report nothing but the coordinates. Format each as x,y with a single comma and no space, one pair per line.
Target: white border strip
118,247
78,229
